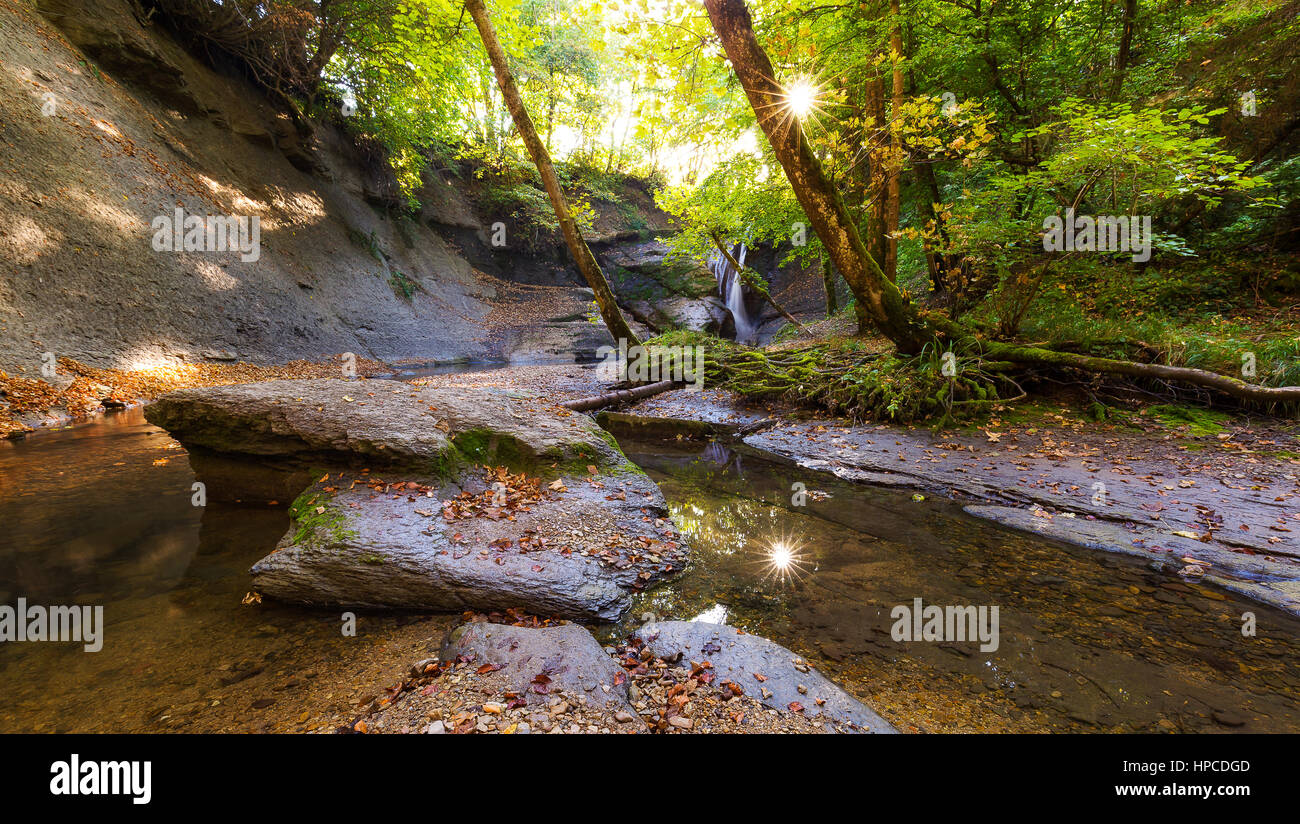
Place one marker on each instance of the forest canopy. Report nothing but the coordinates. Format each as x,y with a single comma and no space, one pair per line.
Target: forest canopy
958,137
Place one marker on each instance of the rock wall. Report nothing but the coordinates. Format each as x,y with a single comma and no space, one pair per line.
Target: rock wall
107,123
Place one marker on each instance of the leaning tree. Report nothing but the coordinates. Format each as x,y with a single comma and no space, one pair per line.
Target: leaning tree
881,305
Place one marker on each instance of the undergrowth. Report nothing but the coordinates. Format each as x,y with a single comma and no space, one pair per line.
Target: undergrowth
853,377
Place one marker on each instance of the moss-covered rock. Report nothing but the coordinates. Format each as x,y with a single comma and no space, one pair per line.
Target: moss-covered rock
391,468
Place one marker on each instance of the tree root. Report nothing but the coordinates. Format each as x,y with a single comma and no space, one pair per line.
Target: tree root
1233,387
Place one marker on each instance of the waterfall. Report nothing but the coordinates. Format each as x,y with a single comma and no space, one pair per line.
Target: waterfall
730,287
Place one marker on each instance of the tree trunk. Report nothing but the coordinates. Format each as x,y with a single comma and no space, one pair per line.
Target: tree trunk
621,396
489,115
876,193
828,281
582,255
1196,377
879,302
894,163
943,267
1125,42
550,111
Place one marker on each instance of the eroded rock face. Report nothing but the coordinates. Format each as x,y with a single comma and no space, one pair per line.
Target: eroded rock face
570,658
403,513
739,657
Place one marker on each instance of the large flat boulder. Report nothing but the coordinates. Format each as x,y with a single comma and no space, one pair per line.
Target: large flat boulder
378,423
577,551
763,669
435,499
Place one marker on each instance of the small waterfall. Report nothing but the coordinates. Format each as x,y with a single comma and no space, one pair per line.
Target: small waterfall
730,287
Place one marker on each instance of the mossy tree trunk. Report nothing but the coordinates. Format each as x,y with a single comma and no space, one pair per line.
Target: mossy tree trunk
880,304
586,261
879,301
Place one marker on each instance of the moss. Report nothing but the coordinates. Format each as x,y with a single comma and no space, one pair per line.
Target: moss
317,521
1200,423
448,464
846,380
575,462
371,559
482,446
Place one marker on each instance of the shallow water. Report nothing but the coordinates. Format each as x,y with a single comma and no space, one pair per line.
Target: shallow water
1087,641
101,514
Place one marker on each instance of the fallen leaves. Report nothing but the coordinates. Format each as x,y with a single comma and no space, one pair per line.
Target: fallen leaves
92,389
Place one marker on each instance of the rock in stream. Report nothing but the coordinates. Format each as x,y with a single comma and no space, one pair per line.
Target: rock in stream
744,659
404,512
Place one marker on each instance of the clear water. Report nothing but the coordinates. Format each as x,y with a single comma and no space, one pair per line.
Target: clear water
1088,641
101,514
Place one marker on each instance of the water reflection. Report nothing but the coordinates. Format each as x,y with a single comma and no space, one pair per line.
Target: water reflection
1088,641
716,614
101,514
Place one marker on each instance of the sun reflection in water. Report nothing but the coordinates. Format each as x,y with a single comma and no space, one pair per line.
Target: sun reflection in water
783,560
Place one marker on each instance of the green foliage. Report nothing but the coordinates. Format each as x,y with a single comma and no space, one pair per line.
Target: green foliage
523,202
403,286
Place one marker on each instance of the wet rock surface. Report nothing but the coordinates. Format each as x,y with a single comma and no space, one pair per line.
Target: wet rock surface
537,661
576,551
528,677
764,669
377,422
573,533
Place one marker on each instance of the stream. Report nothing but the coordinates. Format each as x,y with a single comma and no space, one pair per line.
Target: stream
101,513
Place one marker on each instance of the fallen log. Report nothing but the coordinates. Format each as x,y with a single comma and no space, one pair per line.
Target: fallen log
622,396
1233,387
